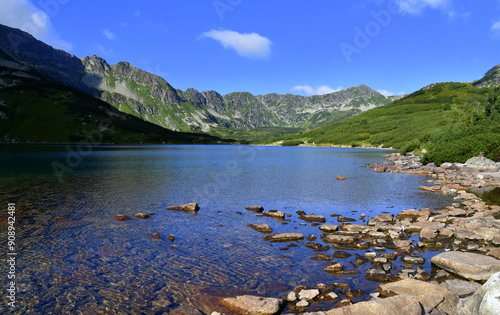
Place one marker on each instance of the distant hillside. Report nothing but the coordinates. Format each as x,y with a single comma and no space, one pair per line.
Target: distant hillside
430,118
37,108
491,78
151,98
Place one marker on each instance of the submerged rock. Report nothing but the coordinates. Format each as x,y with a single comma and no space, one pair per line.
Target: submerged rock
122,217
186,207
313,218
141,215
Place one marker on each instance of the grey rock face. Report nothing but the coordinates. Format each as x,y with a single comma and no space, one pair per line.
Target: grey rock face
485,301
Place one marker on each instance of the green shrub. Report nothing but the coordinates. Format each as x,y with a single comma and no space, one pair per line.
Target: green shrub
410,146
463,149
291,143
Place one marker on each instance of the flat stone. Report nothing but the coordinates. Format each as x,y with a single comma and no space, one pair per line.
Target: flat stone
328,228
285,237
412,214
255,208
253,305
334,268
343,239
429,294
308,294
313,218
141,215
468,265
345,219
462,288
274,214
264,228
302,303
401,304
193,206
383,218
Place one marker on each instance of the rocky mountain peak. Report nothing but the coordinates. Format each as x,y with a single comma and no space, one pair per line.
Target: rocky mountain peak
96,65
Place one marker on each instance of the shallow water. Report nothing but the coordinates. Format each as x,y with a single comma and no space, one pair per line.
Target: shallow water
73,255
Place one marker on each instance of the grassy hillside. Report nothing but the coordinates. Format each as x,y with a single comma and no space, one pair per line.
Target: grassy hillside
44,111
434,118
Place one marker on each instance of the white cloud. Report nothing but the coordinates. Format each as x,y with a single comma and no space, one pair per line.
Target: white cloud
416,7
246,45
388,93
108,34
22,14
496,26
320,90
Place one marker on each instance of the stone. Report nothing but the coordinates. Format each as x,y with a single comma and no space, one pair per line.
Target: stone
334,268
255,208
291,297
428,294
328,228
462,288
308,294
156,235
430,230
274,214
342,239
317,247
331,296
302,303
383,218
413,260
264,228
186,207
485,301
340,177
468,265
171,237
494,252
141,215
122,217
482,164
285,237
345,219
321,257
313,218
253,305
412,214
357,228
401,304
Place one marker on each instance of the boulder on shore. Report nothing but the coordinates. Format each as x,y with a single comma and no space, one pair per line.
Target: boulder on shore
253,305
401,304
485,301
468,265
193,206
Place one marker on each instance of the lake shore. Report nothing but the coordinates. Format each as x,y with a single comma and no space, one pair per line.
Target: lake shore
466,234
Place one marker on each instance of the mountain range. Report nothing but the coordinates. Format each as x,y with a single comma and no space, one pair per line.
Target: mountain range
50,95
149,97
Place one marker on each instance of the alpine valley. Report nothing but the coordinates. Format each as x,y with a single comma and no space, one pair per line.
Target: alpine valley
38,83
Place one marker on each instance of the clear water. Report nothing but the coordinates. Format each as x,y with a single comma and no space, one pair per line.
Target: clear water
74,256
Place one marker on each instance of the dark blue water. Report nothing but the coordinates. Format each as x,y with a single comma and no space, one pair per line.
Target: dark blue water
73,255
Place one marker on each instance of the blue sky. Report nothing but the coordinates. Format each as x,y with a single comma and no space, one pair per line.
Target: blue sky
283,46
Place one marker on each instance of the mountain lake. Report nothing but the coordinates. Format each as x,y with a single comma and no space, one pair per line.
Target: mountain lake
74,257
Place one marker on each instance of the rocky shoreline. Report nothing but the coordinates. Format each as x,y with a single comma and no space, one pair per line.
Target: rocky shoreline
466,233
